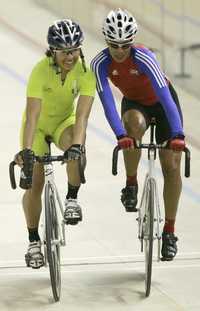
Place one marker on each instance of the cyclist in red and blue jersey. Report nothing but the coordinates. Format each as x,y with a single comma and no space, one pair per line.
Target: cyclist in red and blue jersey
147,93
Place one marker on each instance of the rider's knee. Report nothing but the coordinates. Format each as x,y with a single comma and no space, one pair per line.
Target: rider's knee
66,138
171,169
135,126
170,162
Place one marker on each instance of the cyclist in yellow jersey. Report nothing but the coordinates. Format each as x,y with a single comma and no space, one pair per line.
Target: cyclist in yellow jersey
53,86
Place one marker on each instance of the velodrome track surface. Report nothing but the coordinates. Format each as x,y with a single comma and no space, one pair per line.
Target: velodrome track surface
103,268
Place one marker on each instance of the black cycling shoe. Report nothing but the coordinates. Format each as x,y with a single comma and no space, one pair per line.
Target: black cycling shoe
129,198
169,247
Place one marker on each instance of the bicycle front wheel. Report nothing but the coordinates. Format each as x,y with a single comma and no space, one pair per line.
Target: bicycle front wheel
148,236
52,241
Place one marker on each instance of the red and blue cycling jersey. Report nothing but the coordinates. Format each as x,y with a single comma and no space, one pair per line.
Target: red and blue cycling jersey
139,78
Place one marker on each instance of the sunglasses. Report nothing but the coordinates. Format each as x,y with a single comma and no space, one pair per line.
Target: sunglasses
66,51
124,46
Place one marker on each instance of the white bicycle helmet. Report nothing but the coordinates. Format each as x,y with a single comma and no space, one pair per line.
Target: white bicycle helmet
64,34
120,26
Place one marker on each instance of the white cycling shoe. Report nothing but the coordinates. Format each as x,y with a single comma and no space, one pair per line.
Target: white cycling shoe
73,213
34,257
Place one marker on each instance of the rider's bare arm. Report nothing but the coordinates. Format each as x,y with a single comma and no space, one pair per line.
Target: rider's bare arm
33,109
83,109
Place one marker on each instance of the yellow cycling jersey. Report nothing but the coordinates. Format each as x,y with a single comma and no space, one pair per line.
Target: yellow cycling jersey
57,98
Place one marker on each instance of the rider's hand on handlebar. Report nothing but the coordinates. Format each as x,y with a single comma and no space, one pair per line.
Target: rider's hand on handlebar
18,159
74,152
24,155
177,144
125,142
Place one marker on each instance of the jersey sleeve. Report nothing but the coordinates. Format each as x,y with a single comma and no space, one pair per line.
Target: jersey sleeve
100,67
35,82
148,65
88,83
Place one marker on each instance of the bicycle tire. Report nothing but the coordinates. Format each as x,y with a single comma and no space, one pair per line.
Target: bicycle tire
149,225
53,251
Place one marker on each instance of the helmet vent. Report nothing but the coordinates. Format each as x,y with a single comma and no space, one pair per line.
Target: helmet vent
128,28
112,29
119,16
129,36
119,24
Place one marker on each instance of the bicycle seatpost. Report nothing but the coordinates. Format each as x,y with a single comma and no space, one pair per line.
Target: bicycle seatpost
152,130
48,140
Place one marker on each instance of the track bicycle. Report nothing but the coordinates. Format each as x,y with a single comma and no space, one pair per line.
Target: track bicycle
149,214
53,216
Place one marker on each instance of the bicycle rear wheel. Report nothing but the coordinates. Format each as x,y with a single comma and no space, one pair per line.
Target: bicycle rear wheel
52,241
148,236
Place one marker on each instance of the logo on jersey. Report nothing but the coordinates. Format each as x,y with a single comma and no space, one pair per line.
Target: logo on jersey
115,73
134,72
47,89
75,88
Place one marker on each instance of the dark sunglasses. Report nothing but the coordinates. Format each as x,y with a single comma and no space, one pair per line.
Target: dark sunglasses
124,46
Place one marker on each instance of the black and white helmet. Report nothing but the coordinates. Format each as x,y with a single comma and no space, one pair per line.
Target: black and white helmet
120,26
64,34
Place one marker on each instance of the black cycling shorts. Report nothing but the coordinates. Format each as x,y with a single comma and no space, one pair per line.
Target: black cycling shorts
163,131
